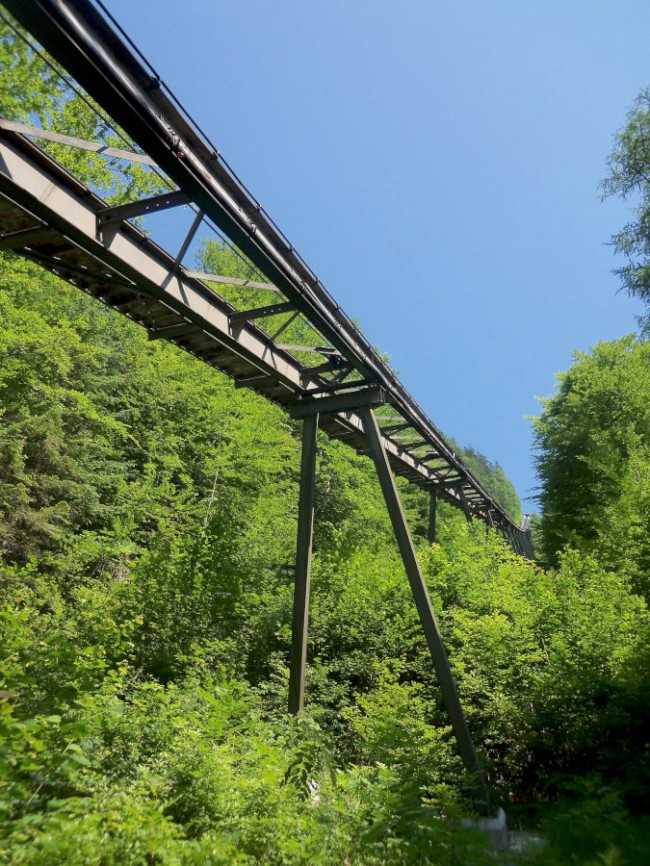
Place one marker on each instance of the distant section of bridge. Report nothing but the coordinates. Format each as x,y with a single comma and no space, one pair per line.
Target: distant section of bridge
335,382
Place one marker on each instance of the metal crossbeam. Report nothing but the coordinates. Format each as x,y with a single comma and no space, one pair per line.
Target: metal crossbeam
189,237
336,363
229,281
26,237
71,141
394,428
340,403
321,350
243,316
145,206
252,381
174,331
333,386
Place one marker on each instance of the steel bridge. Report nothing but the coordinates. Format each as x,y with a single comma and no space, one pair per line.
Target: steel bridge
336,382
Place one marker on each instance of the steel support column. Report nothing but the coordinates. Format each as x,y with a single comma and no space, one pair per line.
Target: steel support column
303,564
433,503
514,541
424,607
465,504
530,550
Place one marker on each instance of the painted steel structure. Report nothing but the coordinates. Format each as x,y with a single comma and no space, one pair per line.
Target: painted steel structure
52,218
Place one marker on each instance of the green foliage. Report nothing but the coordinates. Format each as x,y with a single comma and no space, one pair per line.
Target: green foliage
629,176
493,478
34,91
593,438
147,580
28,86
138,773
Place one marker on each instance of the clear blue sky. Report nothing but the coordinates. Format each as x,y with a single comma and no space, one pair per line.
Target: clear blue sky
437,164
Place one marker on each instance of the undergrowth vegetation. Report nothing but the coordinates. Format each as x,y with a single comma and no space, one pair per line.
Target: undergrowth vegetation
148,517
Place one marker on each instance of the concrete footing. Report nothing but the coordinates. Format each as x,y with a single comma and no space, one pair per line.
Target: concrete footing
495,828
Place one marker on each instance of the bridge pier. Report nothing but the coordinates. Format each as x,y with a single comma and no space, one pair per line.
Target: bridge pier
302,584
465,505
433,507
363,402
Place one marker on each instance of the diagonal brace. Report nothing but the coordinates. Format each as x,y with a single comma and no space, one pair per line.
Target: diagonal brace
423,603
156,203
241,317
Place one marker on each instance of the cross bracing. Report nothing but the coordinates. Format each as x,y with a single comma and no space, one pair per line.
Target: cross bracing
337,384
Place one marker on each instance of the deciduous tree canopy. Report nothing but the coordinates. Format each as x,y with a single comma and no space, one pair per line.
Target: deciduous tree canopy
629,178
593,441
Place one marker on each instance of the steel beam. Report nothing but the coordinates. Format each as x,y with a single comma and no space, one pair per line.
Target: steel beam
174,331
339,403
189,237
242,316
321,350
415,443
70,141
423,602
335,385
230,281
26,237
302,584
145,206
394,428
335,364
251,381
433,504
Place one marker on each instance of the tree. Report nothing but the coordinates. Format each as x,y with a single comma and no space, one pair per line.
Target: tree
593,440
629,176
492,477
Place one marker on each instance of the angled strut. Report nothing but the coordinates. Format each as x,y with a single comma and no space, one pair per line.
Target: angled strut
423,603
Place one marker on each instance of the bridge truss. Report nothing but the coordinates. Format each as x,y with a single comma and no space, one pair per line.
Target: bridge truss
336,382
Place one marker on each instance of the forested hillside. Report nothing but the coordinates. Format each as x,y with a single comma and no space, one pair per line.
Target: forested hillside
147,530
493,478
